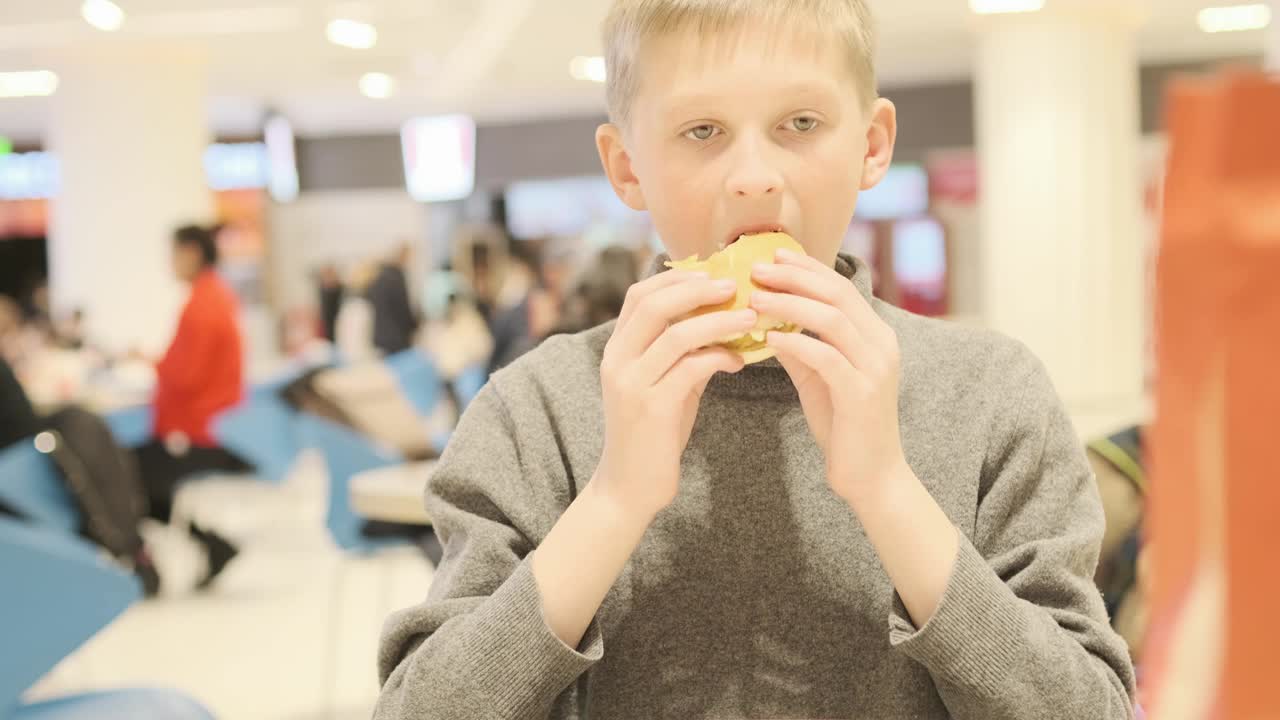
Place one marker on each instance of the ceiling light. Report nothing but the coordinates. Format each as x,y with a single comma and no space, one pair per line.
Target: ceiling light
378,86
1235,18
588,68
352,34
31,83
102,14
996,7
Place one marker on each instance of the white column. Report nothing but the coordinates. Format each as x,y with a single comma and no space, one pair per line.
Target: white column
1061,201
129,130
1273,38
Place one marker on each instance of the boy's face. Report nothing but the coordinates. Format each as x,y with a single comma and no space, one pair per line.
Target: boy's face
751,131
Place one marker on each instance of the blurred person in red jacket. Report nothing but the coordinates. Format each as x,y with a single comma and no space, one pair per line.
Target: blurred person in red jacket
199,376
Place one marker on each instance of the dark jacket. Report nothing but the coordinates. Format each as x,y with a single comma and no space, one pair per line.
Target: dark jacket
17,416
394,321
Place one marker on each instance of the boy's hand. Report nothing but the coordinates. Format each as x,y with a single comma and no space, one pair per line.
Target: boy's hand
653,373
847,380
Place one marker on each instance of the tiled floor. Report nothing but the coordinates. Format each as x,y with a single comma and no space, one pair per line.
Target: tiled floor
264,643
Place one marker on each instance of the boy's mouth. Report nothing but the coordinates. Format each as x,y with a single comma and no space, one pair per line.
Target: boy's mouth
751,230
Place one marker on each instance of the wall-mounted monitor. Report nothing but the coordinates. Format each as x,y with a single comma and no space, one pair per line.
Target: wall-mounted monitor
902,193
28,176
439,157
282,164
236,166
584,207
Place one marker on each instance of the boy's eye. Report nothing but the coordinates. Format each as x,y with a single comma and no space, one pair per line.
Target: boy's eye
701,133
804,124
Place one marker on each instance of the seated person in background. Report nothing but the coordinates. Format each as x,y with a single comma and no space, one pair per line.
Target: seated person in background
534,294
330,290
199,377
510,319
457,341
353,327
21,343
599,296
18,420
1117,462
394,321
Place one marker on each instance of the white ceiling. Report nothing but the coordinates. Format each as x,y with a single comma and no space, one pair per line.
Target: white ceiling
494,58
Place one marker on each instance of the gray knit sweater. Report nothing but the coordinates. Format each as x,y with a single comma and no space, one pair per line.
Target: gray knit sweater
757,593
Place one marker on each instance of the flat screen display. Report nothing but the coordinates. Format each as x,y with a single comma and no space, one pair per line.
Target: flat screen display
439,157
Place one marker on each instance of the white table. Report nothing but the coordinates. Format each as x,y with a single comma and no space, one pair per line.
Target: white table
392,494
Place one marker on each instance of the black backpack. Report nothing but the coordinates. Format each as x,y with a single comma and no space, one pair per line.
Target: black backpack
103,477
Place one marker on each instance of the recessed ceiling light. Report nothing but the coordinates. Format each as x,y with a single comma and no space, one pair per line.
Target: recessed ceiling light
102,14
997,7
377,85
588,68
1235,18
30,83
352,34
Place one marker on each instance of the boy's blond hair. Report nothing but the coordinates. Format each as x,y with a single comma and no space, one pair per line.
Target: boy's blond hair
632,23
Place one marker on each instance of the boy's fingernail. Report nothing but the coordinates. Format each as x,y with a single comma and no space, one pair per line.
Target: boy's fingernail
747,317
726,285
759,298
763,268
787,255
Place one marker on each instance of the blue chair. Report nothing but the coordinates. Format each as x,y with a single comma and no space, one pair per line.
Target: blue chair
346,453
131,426
272,386
59,592
30,484
125,704
261,432
469,383
418,379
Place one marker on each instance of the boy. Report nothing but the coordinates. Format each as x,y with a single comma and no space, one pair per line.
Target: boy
893,518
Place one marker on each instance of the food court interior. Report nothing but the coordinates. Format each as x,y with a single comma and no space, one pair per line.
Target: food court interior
404,196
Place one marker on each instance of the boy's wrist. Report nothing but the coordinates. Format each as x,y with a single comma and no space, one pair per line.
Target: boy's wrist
609,503
886,493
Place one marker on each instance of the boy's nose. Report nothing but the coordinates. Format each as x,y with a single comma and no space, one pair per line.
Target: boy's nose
753,176
754,186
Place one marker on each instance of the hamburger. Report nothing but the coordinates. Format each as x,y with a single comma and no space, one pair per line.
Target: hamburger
734,263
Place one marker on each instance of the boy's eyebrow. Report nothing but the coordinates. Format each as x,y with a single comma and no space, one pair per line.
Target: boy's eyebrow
797,92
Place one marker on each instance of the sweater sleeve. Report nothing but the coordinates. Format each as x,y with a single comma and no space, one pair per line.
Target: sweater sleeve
478,647
1022,631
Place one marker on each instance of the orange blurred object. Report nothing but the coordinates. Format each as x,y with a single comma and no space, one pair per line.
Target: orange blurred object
1214,644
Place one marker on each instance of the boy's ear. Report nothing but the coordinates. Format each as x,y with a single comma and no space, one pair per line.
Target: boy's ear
882,133
617,165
